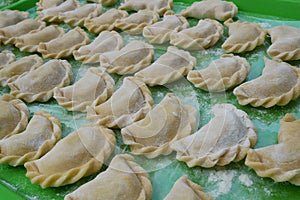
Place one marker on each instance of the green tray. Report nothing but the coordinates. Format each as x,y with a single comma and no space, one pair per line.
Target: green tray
234,181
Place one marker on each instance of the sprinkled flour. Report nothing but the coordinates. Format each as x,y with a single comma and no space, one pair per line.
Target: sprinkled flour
245,180
223,180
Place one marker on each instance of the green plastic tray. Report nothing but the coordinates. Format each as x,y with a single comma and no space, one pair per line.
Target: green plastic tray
234,181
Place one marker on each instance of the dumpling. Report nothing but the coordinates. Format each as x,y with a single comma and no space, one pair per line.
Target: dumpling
10,33
167,122
106,21
204,35
45,4
106,41
64,46
13,116
6,57
221,74
278,85
38,84
169,67
41,134
135,23
106,2
92,89
79,154
243,36
159,6
124,179
130,103
12,17
184,188
214,9
13,70
160,32
77,16
135,56
226,138
30,42
285,43
281,161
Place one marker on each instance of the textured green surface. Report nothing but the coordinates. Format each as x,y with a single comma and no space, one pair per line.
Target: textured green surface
235,181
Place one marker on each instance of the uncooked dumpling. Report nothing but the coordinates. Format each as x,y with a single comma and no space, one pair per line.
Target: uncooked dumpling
124,179
6,57
281,161
167,122
45,4
221,74
226,138
130,103
79,154
278,85
11,17
41,134
169,67
105,2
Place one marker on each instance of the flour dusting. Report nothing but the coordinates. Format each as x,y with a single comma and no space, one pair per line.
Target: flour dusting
245,180
223,180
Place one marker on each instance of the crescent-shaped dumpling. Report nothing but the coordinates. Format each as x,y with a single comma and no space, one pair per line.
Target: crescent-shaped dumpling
6,57
45,4
11,17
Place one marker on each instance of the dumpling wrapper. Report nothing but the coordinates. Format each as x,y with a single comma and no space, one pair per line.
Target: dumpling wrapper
30,42
77,16
158,6
64,46
226,138
12,17
130,103
13,70
40,135
106,41
213,9
135,56
204,35
285,43
167,122
278,85
169,67
92,89
105,2
135,23
38,84
13,116
45,4
106,21
6,57
160,32
221,74
185,189
243,36
281,161
79,154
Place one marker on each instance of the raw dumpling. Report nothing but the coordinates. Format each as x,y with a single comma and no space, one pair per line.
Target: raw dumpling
160,32
124,179
278,85
41,134
185,189
281,161
6,57
159,6
214,9
30,42
76,17
10,33
135,23
12,17
106,41
64,46
45,4
221,74
11,71
135,56
38,84
226,138
79,154
167,122
130,103
285,43
92,89
13,116
204,35
169,67
106,21
243,36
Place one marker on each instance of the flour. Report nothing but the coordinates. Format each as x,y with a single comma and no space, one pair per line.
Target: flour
245,180
223,180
